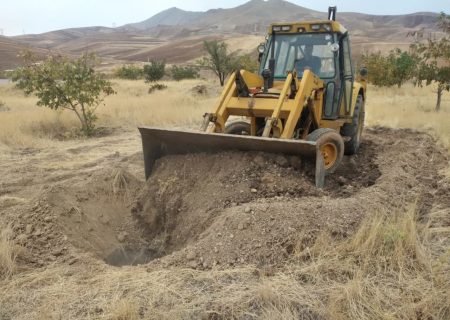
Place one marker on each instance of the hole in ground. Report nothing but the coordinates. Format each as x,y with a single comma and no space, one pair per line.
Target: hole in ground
130,256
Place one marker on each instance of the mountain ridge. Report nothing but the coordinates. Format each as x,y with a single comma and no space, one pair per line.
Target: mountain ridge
172,31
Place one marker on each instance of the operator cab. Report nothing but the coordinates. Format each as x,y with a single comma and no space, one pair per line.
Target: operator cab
321,46
300,51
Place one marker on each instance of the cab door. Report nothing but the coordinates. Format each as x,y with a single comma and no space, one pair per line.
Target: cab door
346,76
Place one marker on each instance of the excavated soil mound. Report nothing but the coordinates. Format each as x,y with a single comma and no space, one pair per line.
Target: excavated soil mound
236,208
214,210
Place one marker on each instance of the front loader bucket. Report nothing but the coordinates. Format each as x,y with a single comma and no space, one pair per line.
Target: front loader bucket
157,142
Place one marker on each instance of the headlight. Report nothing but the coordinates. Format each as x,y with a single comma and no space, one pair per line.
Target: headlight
281,28
327,27
261,48
315,27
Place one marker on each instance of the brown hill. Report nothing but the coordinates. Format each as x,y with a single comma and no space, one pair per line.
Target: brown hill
10,53
176,35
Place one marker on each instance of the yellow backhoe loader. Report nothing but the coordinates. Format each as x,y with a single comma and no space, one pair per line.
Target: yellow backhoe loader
304,101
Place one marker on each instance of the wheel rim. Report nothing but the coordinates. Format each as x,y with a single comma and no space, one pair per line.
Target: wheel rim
329,154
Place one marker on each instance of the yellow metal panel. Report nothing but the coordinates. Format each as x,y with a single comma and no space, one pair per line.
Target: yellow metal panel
306,25
261,107
251,79
308,83
332,124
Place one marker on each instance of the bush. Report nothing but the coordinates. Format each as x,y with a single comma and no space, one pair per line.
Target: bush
130,72
154,71
180,73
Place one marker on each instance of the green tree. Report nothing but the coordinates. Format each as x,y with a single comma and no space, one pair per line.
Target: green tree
246,62
403,66
395,68
61,83
434,64
218,59
154,71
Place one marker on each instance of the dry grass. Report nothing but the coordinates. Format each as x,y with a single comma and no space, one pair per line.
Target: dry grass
7,253
409,107
125,309
387,270
393,267
26,125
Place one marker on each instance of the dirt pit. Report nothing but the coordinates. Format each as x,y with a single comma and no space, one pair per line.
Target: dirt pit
228,209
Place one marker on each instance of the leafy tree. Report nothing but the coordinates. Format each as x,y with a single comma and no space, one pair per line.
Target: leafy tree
222,63
61,83
393,69
434,65
403,64
444,22
180,73
218,59
246,62
154,71
130,72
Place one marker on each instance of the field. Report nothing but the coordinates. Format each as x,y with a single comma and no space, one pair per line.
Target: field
83,236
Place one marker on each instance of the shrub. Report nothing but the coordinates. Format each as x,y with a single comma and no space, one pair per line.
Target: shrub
180,73
130,72
154,71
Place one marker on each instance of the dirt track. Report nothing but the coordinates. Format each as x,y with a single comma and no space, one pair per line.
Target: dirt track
89,203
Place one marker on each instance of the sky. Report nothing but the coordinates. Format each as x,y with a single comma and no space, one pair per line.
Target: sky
36,16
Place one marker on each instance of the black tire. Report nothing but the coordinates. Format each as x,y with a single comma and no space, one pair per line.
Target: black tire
331,145
354,130
238,128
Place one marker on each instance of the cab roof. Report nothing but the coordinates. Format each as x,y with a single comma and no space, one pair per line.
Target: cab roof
319,26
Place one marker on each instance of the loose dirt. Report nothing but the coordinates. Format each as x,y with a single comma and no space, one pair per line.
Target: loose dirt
206,211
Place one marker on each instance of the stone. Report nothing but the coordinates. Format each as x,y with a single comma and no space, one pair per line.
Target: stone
282,161
253,190
259,160
29,229
122,236
242,225
22,238
190,255
342,181
295,162
247,209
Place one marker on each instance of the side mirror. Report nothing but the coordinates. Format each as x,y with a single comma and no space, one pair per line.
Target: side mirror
363,72
261,49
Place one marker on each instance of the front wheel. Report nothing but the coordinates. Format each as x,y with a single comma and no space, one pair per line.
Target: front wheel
354,130
331,145
241,128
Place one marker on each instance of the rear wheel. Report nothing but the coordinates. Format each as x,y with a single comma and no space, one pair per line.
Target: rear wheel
239,128
331,145
354,130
